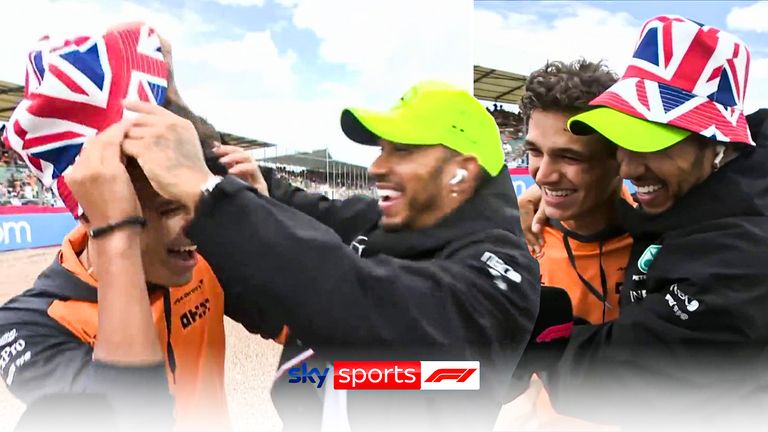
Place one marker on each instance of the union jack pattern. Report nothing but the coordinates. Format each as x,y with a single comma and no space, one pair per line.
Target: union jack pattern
688,75
74,88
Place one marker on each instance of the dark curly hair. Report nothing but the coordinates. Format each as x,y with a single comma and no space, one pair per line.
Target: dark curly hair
566,87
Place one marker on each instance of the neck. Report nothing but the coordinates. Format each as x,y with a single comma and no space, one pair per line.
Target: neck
431,218
594,220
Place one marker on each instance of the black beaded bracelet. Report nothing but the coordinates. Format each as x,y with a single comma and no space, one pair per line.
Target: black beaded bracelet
106,229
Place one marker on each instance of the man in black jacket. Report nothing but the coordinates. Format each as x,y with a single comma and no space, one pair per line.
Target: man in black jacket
689,348
436,270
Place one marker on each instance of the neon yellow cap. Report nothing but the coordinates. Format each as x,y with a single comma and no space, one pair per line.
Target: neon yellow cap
432,113
626,131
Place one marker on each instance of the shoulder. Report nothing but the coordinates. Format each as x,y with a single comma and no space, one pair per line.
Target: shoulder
725,249
734,236
494,249
496,239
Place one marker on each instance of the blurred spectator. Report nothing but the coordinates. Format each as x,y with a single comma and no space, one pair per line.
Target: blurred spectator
19,186
512,130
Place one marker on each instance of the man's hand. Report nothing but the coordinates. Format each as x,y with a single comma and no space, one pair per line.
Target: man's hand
168,151
99,180
240,163
532,218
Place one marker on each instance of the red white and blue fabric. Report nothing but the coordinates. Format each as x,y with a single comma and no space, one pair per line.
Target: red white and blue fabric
74,89
688,75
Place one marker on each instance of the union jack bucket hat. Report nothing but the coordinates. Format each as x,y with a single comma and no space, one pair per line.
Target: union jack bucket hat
683,78
74,89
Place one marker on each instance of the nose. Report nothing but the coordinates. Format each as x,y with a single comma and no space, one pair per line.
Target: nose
547,172
380,166
631,164
184,220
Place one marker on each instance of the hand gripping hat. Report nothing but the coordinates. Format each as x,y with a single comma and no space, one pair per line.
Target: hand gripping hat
74,89
431,113
683,78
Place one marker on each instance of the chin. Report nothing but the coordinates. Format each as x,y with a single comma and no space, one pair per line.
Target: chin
654,210
172,280
560,215
390,225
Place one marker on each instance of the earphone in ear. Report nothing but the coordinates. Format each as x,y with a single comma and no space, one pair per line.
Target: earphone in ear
720,149
461,174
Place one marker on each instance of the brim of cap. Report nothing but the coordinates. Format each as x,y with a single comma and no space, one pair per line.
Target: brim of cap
367,127
626,131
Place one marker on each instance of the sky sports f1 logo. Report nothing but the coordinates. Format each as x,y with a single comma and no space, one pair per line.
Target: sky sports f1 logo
393,375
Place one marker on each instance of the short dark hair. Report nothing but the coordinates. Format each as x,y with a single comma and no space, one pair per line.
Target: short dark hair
565,87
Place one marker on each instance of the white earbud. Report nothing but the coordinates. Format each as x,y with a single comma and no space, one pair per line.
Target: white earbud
719,157
461,174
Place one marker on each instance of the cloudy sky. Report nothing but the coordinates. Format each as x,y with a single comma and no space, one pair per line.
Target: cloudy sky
521,36
275,70
281,70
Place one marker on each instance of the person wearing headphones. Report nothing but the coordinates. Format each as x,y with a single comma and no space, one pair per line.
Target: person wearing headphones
436,268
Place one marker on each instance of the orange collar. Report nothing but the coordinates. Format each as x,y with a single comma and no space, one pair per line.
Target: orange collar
71,248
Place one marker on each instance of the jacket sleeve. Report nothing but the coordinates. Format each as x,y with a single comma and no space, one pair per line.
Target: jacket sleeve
692,343
346,217
39,358
329,296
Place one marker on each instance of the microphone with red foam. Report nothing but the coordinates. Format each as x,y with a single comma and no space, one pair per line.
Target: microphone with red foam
555,319
548,339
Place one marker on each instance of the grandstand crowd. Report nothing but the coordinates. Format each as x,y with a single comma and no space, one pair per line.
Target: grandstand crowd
21,187
511,128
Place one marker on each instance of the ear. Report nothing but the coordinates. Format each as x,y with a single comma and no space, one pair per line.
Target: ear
467,186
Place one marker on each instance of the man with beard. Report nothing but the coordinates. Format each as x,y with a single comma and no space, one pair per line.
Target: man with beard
435,269
688,350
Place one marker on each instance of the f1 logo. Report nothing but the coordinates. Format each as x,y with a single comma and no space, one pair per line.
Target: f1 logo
458,375
450,375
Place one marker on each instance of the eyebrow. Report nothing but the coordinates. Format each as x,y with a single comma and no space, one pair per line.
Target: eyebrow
559,151
165,202
570,152
530,145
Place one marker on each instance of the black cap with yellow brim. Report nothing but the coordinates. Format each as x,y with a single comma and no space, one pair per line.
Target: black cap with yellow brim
626,131
432,113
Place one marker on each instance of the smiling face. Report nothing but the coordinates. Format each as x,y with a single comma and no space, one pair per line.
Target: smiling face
578,175
665,176
412,183
167,255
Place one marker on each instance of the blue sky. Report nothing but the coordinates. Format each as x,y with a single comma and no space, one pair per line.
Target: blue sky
521,36
277,70
233,19
282,70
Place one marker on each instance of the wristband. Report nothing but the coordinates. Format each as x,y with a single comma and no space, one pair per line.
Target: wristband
106,229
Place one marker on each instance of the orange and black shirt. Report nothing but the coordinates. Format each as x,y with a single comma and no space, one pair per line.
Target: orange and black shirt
48,334
591,268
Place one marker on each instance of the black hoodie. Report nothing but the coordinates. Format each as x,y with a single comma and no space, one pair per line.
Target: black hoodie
689,349
411,295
